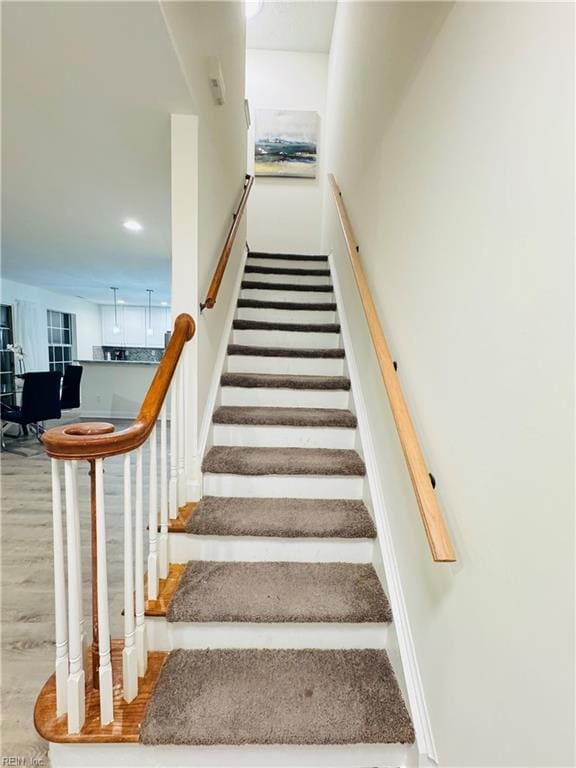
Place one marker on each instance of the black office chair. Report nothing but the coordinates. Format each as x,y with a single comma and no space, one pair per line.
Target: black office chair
70,397
40,401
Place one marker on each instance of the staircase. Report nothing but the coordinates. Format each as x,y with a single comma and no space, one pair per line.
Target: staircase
278,623
267,636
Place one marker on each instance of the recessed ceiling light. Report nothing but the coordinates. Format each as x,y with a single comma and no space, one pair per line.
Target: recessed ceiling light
252,8
121,301
163,303
132,225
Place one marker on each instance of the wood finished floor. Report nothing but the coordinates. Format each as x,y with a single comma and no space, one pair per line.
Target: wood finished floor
27,645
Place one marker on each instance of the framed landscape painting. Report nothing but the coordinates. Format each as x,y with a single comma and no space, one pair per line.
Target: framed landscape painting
286,143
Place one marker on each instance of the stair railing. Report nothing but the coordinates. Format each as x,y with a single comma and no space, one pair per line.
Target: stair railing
212,293
94,442
422,481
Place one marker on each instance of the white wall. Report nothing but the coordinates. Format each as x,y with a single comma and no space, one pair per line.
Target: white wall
88,332
284,215
452,140
215,154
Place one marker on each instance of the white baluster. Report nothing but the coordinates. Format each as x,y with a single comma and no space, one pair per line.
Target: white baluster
129,654
75,690
59,594
79,559
174,449
163,545
181,434
105,668
153,520
141,652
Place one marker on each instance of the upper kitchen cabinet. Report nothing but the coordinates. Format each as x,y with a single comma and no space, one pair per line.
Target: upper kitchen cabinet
135,327
109,338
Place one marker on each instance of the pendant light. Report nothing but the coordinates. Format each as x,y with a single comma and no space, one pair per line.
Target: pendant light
149,330
116,328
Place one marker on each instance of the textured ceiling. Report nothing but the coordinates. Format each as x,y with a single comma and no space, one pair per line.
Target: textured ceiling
292,26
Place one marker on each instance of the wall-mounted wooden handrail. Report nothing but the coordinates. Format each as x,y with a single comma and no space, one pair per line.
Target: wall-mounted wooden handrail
212,293
98,440
432,517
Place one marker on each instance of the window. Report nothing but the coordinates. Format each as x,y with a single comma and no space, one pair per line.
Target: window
60,340
7,381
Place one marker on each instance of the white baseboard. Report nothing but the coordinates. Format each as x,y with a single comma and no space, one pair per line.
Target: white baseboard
414,685
219,364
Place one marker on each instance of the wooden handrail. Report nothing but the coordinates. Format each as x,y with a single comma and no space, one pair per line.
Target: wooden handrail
212,293
98,440
432,517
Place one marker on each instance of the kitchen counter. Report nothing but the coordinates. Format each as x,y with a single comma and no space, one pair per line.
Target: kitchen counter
114,389
122,362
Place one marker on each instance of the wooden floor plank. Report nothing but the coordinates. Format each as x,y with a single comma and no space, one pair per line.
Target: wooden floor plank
125,727
165,592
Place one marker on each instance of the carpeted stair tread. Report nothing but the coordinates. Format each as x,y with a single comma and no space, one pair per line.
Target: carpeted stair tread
235,460
285,286
279,592
286,256
284,381
242,349
289,518
269,696
288,305
257,269
286,417
263,325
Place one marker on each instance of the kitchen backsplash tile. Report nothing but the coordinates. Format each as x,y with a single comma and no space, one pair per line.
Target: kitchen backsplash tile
139,354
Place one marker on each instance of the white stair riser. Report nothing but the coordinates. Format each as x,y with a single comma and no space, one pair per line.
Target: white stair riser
283,437
286,315
284,486
167,636
310,366
265,294
254,261
288,279
285,398
291,339
248,756
183,547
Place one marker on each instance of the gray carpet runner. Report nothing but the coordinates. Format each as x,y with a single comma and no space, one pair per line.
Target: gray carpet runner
277,697
233,460
289,305
279,592
257,269
285,286
242,349
290,518
286,256
288,417
284,381
260,325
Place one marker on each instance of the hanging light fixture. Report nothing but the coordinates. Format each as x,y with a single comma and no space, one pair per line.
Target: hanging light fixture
116,328
149,330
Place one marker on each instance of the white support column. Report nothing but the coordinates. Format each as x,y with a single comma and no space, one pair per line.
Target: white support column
174,448
141,651
105,668
153,520
185,285
181,434
75,689
61,667
163,545
129,654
